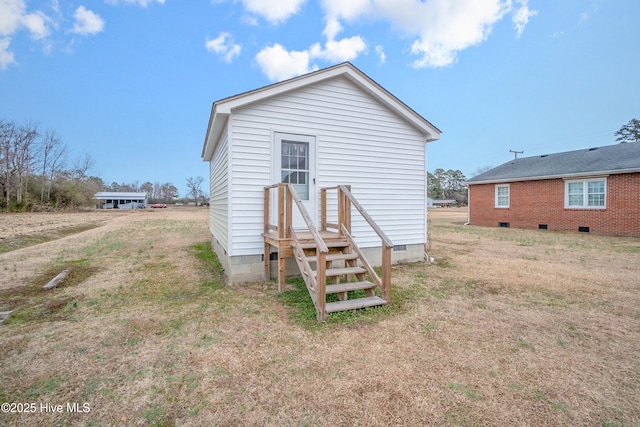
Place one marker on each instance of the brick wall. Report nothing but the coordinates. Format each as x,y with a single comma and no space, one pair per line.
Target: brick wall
542,202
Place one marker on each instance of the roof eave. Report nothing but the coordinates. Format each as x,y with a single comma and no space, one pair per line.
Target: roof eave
559,176
217,123
222,108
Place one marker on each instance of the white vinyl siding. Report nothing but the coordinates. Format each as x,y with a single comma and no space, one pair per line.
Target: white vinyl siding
503,196
250,164
219,200
359,142
586,194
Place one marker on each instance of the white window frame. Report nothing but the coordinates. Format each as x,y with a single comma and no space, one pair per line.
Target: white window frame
497,197
585,193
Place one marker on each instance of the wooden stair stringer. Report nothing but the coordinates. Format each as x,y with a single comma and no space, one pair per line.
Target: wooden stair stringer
305,269
342,250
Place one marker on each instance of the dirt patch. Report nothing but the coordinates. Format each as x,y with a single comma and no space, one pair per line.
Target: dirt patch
27,229
507,327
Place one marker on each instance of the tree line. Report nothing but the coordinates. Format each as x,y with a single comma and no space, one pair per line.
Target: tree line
36,174
447,185
156,192
35,171
163,193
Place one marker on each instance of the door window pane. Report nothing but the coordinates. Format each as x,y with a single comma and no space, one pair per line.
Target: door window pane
295,166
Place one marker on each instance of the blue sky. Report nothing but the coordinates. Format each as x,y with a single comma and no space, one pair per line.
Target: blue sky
132,81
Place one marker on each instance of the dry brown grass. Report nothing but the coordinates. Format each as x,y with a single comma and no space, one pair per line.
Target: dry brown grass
508,327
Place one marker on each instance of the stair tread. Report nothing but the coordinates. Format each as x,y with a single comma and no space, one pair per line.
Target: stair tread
329,243
349,286
335,257
353,304
331,272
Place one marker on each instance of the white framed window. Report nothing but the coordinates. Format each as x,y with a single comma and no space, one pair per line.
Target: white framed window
585,193
503,192
294,166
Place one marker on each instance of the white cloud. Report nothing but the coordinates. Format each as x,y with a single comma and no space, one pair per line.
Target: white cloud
37,24
440,28
13,17
339,51
280,64
277,11
347,10
584,17
143,3
11,13
223,45
381,55
444,29
522,15
6,57
87,22
332,28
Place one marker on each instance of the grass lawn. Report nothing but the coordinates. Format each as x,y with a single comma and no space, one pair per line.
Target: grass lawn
507,327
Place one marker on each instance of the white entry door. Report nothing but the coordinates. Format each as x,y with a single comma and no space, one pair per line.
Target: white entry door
295,164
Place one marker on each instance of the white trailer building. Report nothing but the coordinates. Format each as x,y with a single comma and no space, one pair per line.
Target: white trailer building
120,200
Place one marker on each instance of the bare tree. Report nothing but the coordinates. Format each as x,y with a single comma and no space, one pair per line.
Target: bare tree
52,152
82,165
7,153
193,185
23,155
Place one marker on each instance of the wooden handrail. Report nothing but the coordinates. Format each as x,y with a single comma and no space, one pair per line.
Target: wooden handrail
316,281
385,240
331,188
320,280
363,259
307,267
307,219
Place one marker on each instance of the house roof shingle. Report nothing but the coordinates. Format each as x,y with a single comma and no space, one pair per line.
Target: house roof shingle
610,159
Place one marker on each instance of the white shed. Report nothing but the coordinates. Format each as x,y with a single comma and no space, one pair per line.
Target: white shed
120,200
328,128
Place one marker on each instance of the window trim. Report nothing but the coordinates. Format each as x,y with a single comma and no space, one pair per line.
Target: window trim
496,200
585,192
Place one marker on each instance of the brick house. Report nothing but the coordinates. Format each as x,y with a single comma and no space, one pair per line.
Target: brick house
595,190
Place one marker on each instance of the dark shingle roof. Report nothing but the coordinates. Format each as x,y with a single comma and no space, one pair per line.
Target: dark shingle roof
619,158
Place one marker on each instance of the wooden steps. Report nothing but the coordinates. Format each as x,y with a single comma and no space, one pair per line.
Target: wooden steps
336,257
328,256
354,304
337,272
330,244
342,279
350,286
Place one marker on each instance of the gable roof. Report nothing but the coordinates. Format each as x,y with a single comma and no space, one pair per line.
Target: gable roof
610,159
222,108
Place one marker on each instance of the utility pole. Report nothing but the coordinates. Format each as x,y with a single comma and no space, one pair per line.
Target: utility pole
516,153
